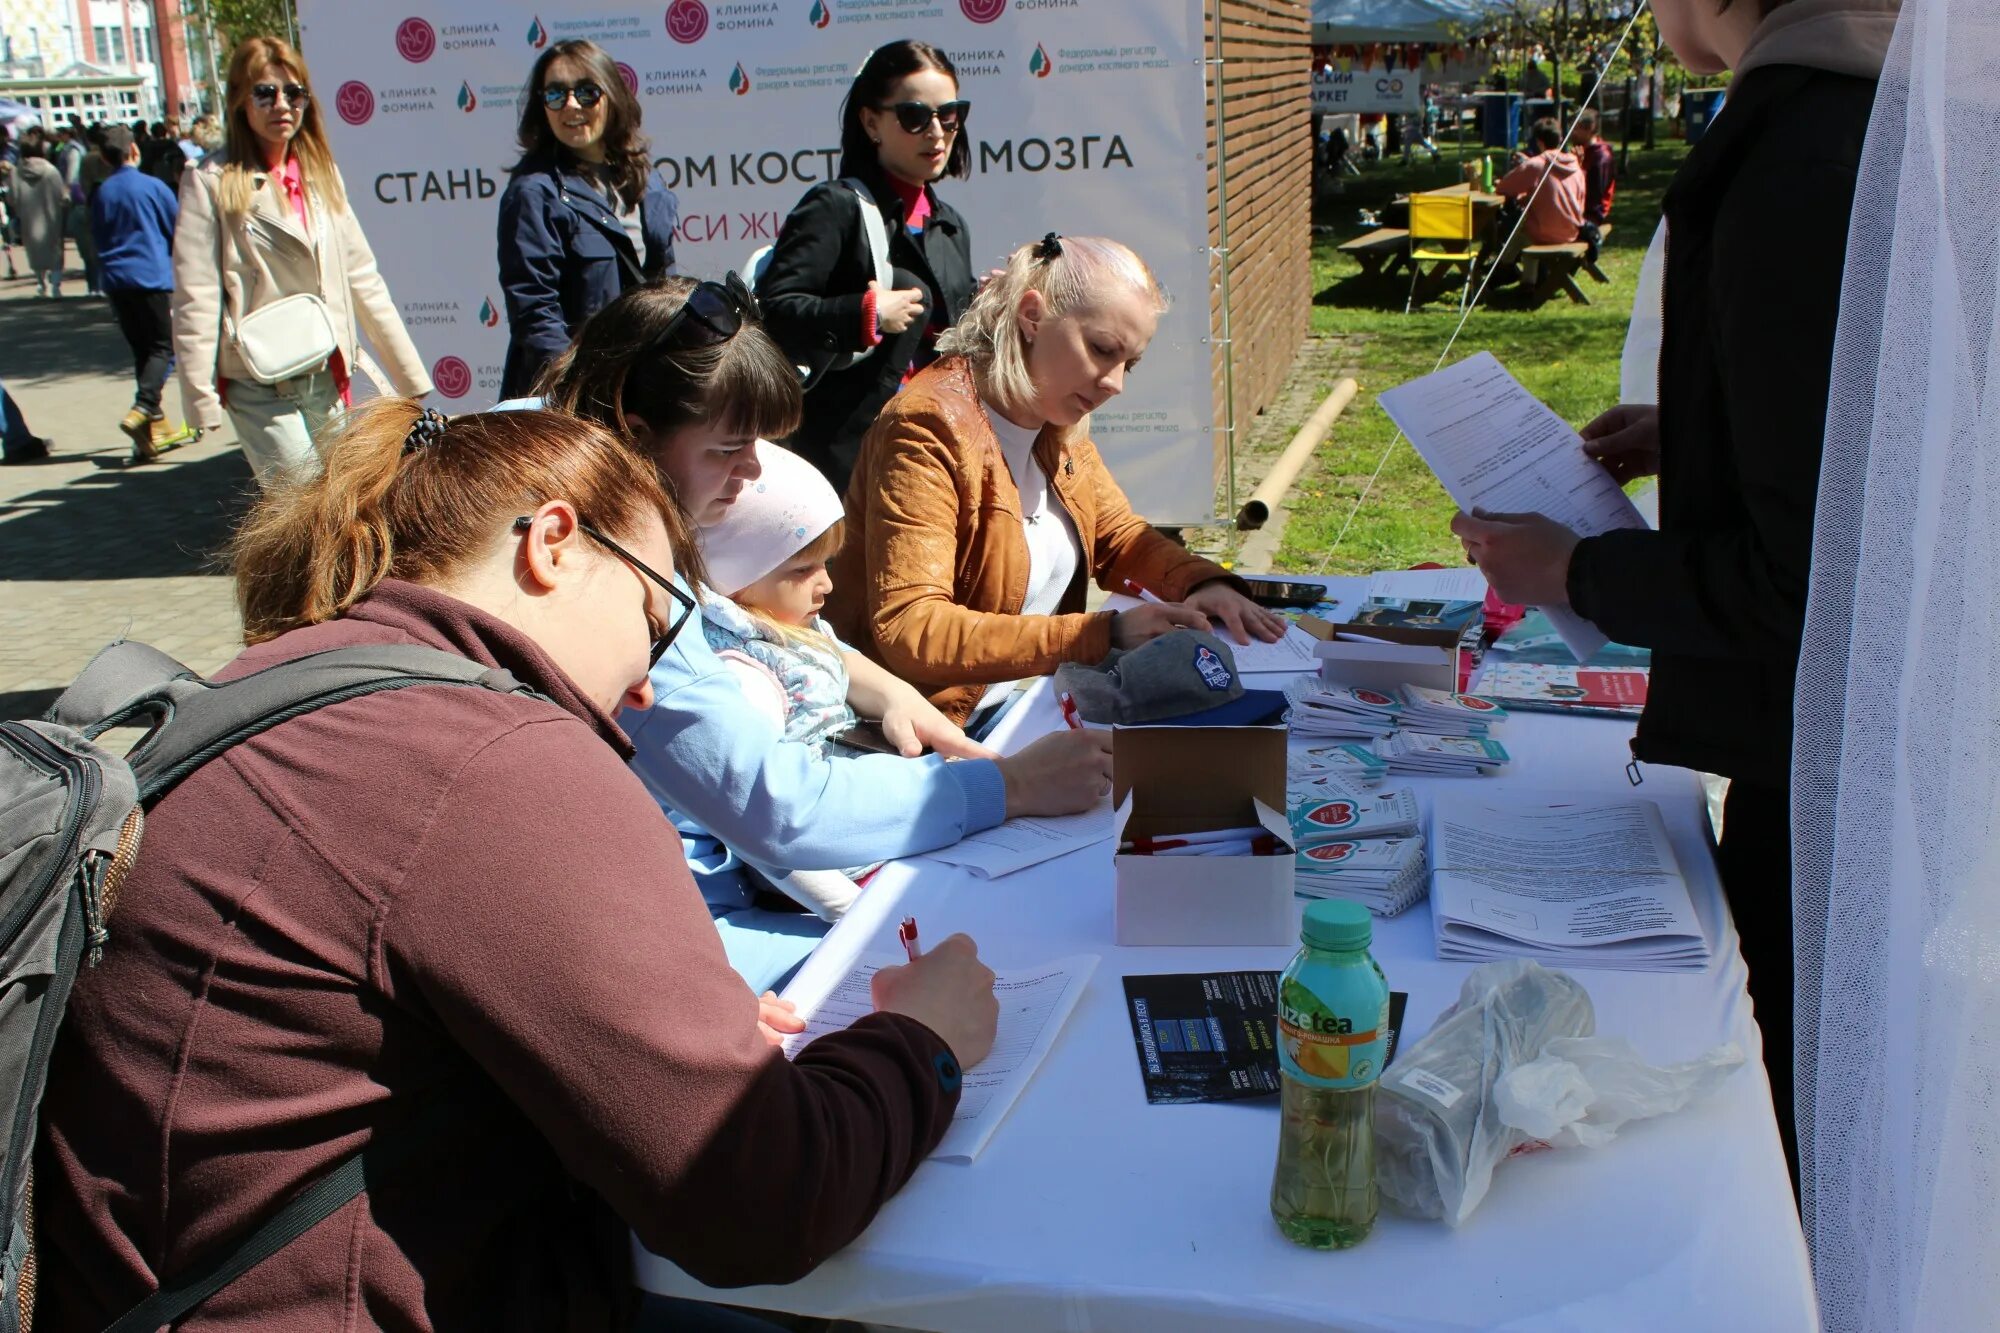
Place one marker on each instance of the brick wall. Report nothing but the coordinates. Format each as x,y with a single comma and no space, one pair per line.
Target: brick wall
1267,131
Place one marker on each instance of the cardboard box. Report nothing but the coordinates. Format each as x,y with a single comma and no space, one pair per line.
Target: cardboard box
1382,657
1168,780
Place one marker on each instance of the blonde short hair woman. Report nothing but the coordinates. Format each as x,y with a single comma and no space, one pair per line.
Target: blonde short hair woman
979,503
264,219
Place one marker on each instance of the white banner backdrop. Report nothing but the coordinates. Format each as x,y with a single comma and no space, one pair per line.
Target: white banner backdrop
1087,118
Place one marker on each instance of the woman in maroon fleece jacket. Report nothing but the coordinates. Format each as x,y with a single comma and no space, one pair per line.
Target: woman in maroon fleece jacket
447,897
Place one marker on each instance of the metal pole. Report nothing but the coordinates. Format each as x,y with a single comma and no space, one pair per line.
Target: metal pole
1222,253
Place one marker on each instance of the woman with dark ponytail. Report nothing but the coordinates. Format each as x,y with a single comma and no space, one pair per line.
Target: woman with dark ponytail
902,130
458,907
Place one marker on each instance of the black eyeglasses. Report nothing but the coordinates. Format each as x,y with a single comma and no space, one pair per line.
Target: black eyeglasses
265,95
662,639
587,95
712,314
916,117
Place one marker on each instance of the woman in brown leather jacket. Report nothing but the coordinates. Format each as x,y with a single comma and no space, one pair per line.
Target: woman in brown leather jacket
981,504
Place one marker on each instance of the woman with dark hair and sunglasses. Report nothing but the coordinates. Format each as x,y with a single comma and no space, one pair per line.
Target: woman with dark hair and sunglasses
686,374
585,215
901,129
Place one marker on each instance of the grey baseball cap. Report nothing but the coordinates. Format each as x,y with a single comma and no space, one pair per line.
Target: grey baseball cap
1186,676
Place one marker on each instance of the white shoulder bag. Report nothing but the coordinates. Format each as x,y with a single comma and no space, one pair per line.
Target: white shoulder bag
289,337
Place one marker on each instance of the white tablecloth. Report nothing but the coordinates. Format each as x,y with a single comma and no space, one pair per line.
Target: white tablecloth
1092,1210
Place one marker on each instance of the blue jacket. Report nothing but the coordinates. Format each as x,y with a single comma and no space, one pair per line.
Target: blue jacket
564,255
132,218
728,779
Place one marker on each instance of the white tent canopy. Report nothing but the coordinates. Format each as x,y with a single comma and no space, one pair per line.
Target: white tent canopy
1337,22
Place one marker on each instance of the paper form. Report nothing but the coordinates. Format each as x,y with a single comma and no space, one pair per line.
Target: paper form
1442,585
1026,841
1495,446
1294,652
1034,1005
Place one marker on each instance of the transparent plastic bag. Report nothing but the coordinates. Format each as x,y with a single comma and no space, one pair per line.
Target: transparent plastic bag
1514,1065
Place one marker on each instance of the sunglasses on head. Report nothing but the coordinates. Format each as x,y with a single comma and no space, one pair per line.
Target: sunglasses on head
662,639
916,117
712,313
587,95
265,95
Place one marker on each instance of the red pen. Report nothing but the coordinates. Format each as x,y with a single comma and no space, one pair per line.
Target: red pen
1068,706
1142,594
907,933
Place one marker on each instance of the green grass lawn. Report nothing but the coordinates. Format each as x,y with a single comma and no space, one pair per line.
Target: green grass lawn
1567,354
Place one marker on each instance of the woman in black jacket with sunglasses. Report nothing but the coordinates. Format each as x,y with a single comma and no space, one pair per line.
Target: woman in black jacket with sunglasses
901,129
585,215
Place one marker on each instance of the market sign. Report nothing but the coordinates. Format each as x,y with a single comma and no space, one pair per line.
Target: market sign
1340,91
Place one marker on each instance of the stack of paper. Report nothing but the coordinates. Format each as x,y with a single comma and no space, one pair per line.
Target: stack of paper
1385,875
1340,712
1355,763
1442,713
1446,756
1585,883
1321,813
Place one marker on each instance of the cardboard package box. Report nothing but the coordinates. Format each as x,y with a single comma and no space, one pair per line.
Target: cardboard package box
1382,657
1169,780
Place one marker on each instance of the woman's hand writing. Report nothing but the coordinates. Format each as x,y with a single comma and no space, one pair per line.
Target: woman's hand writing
1059,774
950,992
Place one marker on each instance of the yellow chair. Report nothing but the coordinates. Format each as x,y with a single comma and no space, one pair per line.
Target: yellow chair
1439,220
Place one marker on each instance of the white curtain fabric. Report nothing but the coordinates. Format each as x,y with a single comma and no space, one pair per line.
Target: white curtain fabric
1897,775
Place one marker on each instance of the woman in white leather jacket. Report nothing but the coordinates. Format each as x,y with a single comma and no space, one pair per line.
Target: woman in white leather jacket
266,219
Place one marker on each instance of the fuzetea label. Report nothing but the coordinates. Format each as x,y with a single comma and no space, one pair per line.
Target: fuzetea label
1323,1048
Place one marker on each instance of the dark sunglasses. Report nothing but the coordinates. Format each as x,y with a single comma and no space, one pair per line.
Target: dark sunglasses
662,639
265,95
916,117
712,314
587,95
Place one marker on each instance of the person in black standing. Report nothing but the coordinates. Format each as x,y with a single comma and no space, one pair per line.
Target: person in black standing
585,215
1746,359
901,130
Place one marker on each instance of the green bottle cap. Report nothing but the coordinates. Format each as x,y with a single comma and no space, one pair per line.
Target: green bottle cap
1332,924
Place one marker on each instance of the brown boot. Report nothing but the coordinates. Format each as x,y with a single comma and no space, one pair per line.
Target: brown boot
165,438
138,427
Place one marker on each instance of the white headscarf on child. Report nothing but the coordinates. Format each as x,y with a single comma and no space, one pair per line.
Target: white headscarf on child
774,518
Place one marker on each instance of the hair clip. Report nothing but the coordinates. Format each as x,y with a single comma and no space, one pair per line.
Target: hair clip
428,428
1048,248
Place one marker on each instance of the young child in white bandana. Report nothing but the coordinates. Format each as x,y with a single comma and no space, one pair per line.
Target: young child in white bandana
770,552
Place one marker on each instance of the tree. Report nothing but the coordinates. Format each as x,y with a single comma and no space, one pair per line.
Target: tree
234,20
1574,34
214,27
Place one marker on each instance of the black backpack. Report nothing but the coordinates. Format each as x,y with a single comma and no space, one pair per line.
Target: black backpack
71,817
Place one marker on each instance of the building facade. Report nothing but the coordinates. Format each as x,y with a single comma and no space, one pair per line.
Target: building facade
100,59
